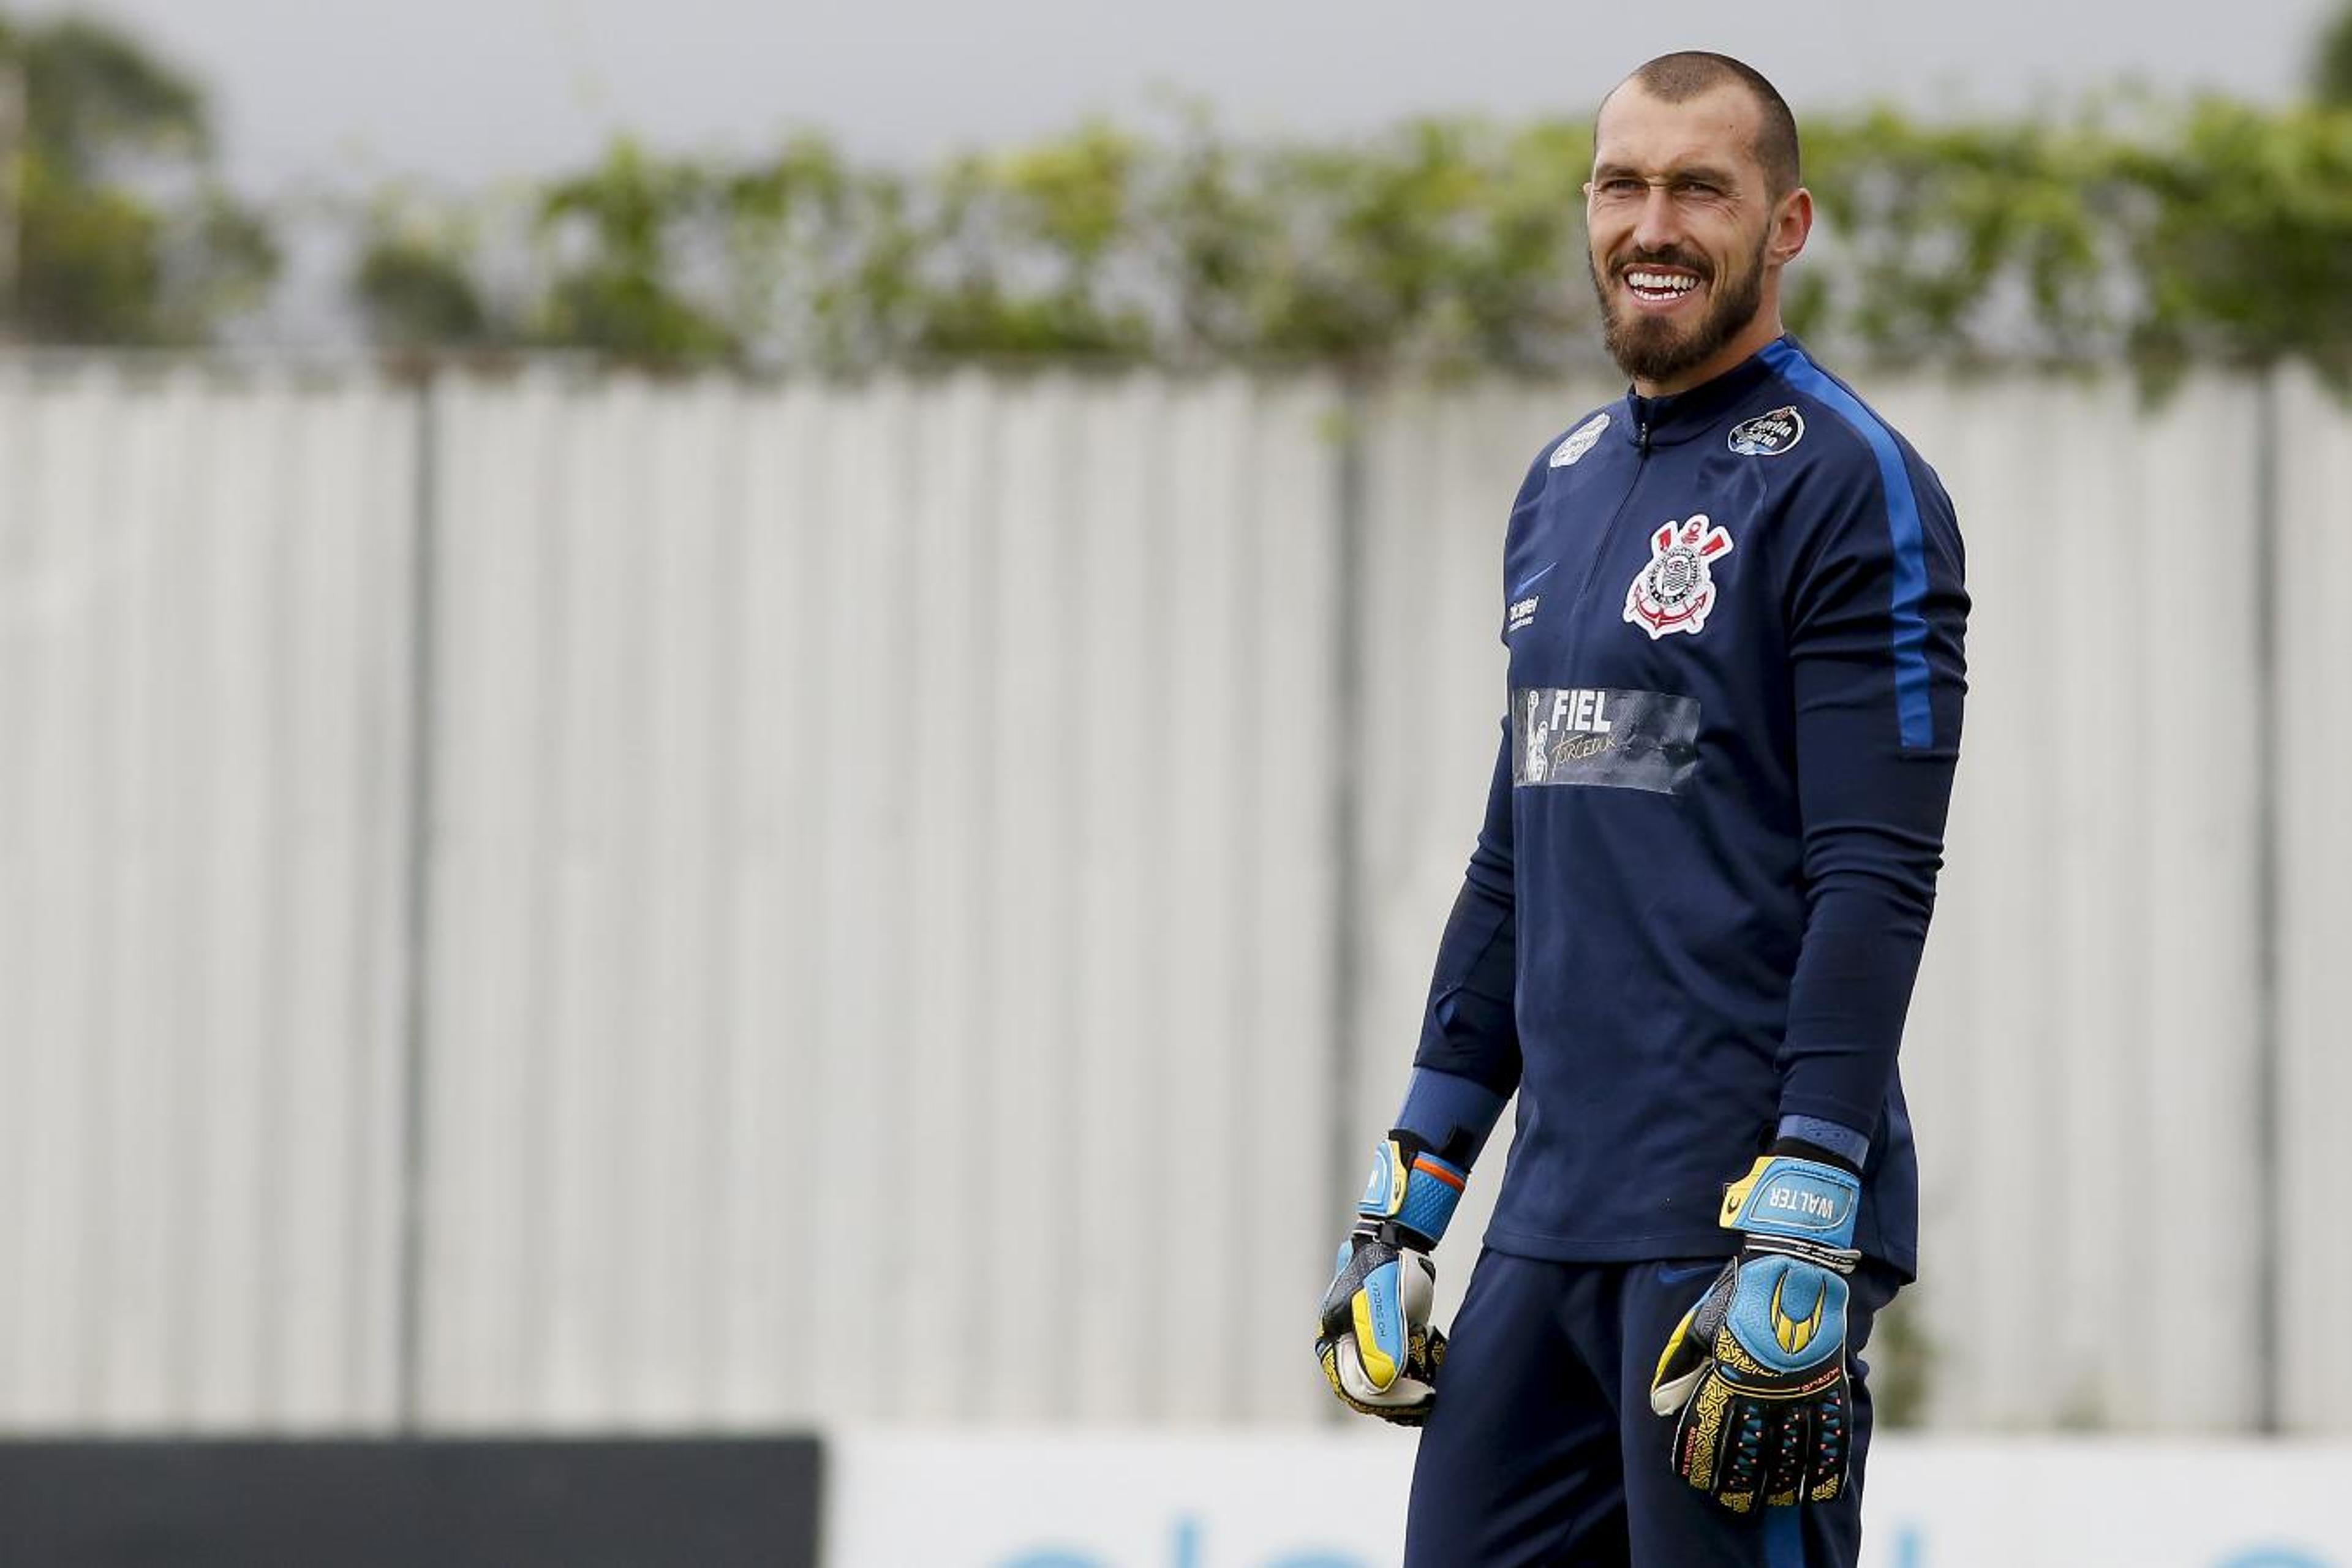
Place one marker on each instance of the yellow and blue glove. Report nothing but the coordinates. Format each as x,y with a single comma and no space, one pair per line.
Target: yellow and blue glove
1374,1337
1756,1369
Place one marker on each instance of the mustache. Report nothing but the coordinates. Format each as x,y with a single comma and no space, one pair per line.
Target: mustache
1672,255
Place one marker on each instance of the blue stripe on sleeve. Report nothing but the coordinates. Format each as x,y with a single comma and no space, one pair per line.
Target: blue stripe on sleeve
1910,638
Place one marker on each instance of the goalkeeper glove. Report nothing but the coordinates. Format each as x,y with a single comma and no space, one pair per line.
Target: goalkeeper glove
1374,1338
1756,1369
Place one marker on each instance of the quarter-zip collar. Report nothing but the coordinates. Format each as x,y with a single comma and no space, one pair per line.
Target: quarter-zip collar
1667,421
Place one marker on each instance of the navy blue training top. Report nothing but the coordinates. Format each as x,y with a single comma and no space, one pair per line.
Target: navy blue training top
1735,621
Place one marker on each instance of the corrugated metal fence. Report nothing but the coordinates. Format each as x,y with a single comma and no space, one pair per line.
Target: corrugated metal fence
553,903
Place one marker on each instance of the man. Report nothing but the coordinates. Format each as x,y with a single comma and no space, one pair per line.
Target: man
1688,933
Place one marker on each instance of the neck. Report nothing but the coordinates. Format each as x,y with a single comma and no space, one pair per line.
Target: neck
1748,342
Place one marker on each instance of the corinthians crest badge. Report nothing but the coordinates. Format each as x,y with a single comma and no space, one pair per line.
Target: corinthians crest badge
1675,591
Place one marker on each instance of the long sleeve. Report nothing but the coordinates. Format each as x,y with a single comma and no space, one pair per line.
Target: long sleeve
1468,1029
1876,614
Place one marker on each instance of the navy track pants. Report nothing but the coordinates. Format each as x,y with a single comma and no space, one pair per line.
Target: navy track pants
1541,1451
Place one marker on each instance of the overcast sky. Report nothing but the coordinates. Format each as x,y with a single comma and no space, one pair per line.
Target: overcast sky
465,91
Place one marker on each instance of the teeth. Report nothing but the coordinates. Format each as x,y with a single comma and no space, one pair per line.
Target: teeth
1661,282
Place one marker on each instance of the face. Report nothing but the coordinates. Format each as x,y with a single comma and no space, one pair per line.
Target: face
1688,241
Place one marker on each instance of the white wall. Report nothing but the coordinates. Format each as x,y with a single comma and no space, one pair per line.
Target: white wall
879,887
883,862
204,615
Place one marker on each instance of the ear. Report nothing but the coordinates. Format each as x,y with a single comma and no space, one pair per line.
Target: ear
1792,223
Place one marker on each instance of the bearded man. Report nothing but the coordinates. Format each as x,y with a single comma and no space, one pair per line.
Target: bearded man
1733,606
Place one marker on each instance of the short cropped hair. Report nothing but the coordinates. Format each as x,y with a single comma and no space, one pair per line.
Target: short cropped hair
1679,78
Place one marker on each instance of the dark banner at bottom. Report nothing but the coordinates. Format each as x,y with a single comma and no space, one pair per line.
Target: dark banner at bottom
427,1503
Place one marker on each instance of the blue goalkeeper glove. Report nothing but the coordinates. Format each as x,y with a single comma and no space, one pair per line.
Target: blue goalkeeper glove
1756,1369
1373,1336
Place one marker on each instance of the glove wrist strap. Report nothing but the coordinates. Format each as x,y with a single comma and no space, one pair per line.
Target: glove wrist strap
1838,1260
1411,1193
1787,1199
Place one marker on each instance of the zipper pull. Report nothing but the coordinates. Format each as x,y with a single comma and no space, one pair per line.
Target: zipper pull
1641,436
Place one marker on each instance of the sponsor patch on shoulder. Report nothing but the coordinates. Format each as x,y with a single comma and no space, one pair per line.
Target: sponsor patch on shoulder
1580,441
1768,435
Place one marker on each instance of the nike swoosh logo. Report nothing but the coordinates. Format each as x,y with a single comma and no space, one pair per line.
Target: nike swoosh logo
1531,580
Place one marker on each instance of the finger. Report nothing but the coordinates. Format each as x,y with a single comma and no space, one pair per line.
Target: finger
1400,1396
1787,1451
1825,1466
1684,1360
1690,1349
1345,1278
1380,1337
1699,1434
1416,1285
1428,1352
1740,1466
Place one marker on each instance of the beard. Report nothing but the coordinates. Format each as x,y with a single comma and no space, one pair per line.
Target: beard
1648,348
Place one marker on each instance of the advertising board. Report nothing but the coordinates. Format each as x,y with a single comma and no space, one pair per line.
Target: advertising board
1216,1499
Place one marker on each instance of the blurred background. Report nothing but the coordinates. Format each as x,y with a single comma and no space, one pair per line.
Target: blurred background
735,736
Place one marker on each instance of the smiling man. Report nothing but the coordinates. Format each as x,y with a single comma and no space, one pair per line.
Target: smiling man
1687,936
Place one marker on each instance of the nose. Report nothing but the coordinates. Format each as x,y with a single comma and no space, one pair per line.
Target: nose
1658,227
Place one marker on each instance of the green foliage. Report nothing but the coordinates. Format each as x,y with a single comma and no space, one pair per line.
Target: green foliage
2151,233
121,232
1445,246
618,232
780,217
1903,1360
89,262
414,280
1025,250
2242,241
2331,70
95,97
1957,242
2215,233
2143,233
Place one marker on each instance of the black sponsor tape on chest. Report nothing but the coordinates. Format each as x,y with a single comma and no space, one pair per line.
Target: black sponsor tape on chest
1604,736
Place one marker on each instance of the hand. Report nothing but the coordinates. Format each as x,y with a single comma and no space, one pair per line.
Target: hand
1756,1368
1377,1346
1374,1338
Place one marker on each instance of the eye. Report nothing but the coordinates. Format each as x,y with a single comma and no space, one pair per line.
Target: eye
1619,185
